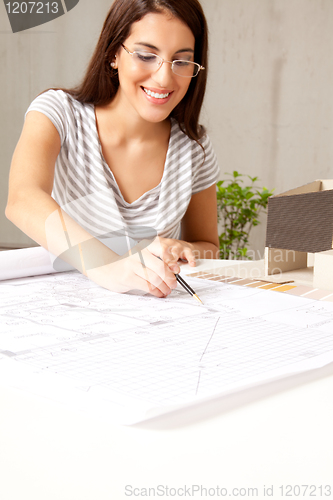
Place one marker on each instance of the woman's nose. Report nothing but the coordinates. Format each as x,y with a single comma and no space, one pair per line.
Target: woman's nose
163,75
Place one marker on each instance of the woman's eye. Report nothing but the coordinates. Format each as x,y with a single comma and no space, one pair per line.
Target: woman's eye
148,58
181,64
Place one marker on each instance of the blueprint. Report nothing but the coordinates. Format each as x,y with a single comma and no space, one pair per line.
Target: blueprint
136,356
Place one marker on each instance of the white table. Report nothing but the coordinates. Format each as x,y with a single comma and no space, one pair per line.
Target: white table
277,435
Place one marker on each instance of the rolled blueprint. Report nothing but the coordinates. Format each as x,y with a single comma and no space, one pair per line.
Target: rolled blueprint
29,262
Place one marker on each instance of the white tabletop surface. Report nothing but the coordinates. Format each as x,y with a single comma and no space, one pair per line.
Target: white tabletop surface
272,436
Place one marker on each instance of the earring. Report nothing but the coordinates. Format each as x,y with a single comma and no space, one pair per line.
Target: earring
113,63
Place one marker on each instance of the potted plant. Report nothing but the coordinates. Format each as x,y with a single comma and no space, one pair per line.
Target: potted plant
238,207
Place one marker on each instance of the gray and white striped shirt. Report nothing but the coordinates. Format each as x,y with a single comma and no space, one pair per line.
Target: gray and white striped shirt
86,189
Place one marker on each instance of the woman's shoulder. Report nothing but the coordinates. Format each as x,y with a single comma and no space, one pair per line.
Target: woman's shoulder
57,98
64,111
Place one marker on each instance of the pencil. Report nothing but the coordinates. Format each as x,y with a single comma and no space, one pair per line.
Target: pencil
187,287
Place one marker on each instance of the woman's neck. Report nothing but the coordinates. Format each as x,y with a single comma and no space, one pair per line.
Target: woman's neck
127,126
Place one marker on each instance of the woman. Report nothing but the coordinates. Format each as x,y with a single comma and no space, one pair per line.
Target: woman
122,158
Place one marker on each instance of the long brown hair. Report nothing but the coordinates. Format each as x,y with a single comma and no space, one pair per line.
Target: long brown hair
100,83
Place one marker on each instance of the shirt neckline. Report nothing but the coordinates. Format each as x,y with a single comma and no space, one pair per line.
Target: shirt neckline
152,191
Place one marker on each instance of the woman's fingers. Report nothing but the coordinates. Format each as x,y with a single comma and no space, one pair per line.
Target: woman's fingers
148,281
144,271
189,256
156,272
140,271
173,250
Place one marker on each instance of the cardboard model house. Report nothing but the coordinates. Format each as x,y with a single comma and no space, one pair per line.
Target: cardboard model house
299,222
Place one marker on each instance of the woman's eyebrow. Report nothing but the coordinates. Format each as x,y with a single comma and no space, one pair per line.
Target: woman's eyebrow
185,50
150,46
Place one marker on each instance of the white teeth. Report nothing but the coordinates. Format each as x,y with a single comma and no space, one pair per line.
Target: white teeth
154,94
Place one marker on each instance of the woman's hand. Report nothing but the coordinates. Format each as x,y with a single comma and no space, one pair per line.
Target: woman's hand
150,268
142,270
171,251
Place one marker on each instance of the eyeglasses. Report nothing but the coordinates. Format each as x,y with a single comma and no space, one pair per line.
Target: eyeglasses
153,62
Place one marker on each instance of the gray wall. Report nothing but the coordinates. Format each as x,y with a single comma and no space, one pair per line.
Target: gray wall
52,55
269,105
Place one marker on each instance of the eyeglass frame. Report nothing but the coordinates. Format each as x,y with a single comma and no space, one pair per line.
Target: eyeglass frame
170,62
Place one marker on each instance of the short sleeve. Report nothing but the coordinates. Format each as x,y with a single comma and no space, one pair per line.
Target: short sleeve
55,104
205,169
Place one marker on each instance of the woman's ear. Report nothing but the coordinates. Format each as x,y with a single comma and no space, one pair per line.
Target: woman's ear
113,63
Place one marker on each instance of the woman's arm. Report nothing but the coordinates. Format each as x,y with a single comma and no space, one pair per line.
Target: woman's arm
199,232
31,208
199,226
31,177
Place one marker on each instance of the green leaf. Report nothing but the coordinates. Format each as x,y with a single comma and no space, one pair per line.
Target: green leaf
238,207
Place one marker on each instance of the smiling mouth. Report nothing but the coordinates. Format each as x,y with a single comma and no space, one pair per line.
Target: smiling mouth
155,94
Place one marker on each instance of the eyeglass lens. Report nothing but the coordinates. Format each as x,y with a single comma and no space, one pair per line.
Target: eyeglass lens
153,62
